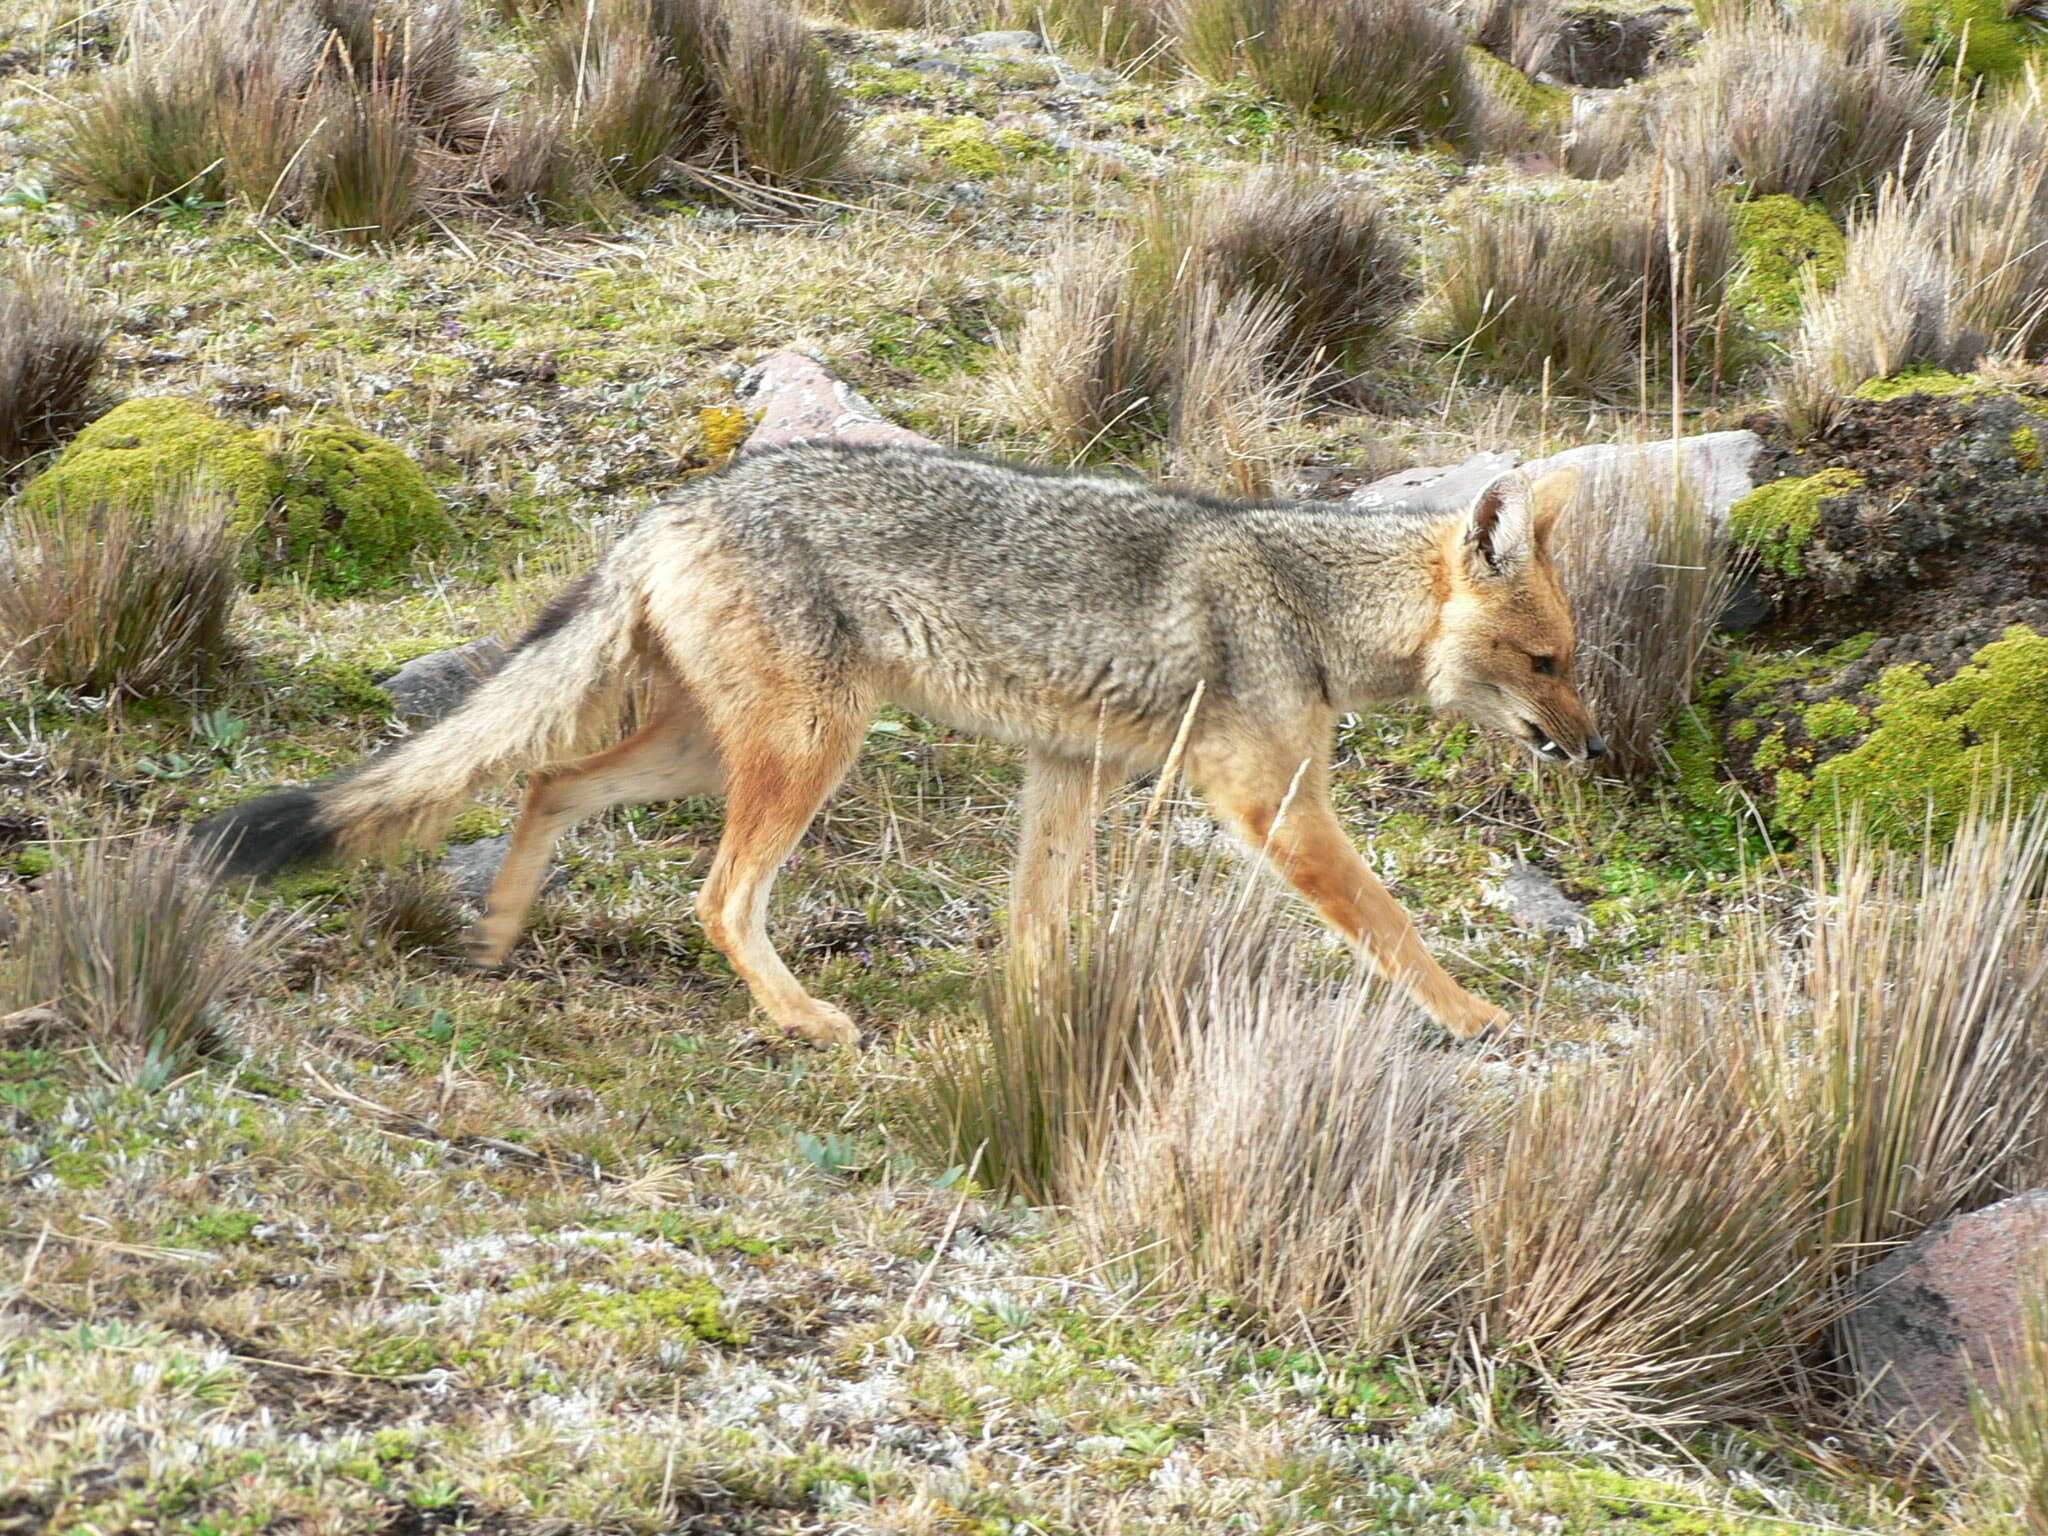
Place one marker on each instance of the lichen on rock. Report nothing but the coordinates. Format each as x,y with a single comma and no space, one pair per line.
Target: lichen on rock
337,506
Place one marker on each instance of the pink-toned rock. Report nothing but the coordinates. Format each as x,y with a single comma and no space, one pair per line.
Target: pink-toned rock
799,400
1942,1313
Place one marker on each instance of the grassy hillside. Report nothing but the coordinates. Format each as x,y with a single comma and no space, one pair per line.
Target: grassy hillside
375,1243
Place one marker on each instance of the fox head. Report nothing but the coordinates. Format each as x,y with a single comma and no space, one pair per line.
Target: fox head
1502,655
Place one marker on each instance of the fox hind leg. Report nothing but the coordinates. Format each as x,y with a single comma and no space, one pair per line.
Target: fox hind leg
780,767
1283,810
671,758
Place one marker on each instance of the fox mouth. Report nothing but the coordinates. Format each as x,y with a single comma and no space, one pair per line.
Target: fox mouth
1540,743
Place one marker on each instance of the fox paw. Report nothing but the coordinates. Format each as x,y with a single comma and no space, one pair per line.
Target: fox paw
1478,1020
822,1024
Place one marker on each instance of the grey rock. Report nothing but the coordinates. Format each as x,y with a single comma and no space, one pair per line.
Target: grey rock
471,867
799,400
428,688
1005,42
1436,487
1536,902
945,68
1720,466
1940,1315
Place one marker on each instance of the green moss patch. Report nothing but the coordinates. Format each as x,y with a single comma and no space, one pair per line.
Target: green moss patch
1934,746
1785,244
975,148
1976,39
336,505
1923,380
1540,106
1778,521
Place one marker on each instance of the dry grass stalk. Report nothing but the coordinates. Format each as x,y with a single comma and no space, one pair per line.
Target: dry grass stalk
51,347
1782,111
1648,578
133,951
1077,1037
1381,68
117,600
1592,297
1303,1164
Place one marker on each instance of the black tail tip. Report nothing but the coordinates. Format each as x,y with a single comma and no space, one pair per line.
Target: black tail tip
265,836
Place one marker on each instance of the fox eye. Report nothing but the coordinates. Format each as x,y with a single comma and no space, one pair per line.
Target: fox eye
1546,666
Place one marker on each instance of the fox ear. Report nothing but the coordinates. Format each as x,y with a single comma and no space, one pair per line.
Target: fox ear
1552,497
1500,531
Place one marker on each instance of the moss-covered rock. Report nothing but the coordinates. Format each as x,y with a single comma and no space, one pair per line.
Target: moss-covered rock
1546,109
1974,39
355,511
1776,522
1785,244
336,505
144,447
1932,747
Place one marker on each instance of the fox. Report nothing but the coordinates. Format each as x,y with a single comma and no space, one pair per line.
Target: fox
1105,625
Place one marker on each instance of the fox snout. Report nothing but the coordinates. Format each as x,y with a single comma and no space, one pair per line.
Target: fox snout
1546,745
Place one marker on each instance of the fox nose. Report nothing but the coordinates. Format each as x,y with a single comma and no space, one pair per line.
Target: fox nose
1596,746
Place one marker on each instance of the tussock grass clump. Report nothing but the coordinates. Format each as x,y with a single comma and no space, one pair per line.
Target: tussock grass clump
1133,36
51,347
1303,1164
776,85
1322,249
132,951
650,84
118,598
1641,1236
1212,323
1526,35
1648,578
1379,68
1946,270
1661,1235
1075,1037
1592,297
1091,360
2008,1486
1782,111
1913,1069
1229,403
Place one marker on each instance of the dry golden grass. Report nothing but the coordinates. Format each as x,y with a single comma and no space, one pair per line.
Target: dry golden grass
127,945
51,349
1648,578
118,599
1601,296
1660,1234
